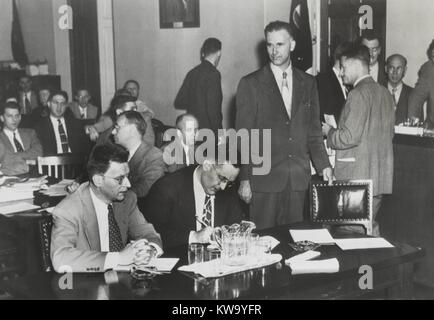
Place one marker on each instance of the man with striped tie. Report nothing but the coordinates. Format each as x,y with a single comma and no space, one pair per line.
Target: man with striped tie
60,133
184,206
18,146
99,226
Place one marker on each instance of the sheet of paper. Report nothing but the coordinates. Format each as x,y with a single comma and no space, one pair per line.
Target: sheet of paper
305,256
316,266
18,207
363,243
162,264
11,194
320,236
273,241
330,120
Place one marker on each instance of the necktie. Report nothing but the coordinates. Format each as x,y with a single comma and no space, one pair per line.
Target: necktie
207,212
83,115
115,239
394,95
18,145
63,137
286,94
27,108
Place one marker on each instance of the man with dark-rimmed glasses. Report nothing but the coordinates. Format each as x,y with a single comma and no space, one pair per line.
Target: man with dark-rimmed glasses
99,226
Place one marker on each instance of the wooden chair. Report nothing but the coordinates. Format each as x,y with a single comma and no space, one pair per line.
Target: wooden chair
343,203
62,167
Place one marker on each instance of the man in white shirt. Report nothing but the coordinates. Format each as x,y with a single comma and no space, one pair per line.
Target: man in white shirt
18,147
81,107
376,67
396,67
180,152
99,227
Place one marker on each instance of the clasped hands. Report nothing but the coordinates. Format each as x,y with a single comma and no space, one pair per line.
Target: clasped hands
138,252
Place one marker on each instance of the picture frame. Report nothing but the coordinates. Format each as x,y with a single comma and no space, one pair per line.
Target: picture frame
179,14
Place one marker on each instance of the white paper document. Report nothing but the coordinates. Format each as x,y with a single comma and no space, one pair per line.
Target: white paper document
161,264
273,241
320,236
316,266
330,120
305,256
363,243
18,207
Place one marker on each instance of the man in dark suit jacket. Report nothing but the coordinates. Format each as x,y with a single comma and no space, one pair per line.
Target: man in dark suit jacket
59,133
396,67
332,91
93,227
285,100
201,92
363,139
376,66
178,202
17,146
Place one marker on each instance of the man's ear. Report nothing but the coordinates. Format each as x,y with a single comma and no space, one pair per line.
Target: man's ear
293,43
97,180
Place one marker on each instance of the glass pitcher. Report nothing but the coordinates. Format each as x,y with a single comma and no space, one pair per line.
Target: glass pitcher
233,241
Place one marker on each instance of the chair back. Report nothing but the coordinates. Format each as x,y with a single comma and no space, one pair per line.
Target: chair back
343,203
158,127
62,167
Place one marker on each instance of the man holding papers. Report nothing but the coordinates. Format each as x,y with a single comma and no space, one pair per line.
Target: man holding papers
363,139
93,226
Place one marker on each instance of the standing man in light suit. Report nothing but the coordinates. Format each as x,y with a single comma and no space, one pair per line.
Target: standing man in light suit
363,139
285,100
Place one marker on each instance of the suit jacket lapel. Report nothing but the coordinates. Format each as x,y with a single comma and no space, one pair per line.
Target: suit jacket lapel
297,92
270,87
25,139
91,229
138,157
6,142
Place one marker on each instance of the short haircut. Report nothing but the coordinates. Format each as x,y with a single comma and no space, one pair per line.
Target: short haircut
133,117
223,153
117,103
396,55
81,89
279,25
58,93
101,157
47,88
370,35
180,118
131,81
210,46
25,77
429,52
122,92
9,105
358,52
340,49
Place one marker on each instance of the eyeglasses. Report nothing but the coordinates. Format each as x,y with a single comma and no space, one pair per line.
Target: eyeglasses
120,180
225,180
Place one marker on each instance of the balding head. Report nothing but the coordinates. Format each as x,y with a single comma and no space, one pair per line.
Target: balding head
188,125
396,67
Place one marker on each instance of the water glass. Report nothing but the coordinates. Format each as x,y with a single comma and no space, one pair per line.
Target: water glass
196,253
263,246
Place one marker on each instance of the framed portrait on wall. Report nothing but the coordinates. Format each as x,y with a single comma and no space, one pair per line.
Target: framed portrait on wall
179,14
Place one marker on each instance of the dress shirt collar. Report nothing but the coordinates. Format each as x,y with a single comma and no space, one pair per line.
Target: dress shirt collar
360,79
101,211
373,71
398,87
10,135
278,74
55,122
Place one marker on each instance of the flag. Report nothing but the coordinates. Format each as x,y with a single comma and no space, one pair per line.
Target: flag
301,57
17,41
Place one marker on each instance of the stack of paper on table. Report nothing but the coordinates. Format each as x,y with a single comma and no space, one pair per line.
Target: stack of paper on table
58,189
13,194
320,236
18,207
216,268
363,243
302,264
161,264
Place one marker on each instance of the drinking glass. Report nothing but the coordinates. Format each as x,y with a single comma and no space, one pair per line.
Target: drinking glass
196,253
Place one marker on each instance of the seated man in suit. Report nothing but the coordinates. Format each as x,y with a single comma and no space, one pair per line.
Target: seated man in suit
145,161
43,110
186,134
396,67
93,227
60,133
17,146
27,98
194,199
81,108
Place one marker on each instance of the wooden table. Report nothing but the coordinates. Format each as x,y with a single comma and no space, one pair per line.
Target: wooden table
392,278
